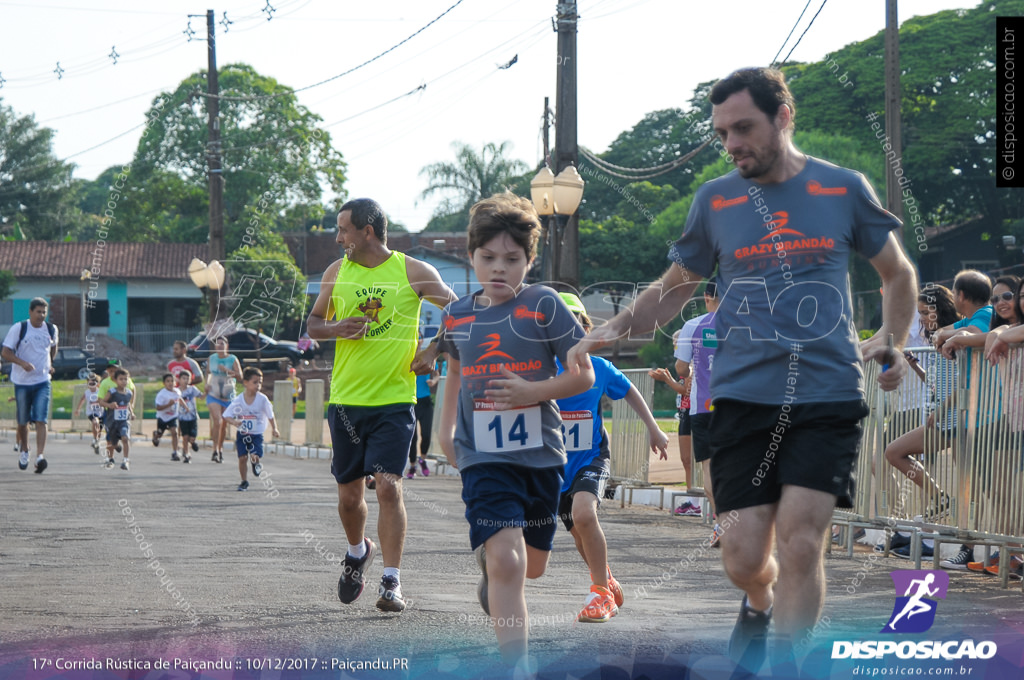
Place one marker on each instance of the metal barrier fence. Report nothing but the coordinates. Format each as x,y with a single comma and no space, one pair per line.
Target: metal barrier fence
965,425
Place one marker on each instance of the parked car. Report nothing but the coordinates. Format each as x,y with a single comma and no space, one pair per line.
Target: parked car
71,362
249,346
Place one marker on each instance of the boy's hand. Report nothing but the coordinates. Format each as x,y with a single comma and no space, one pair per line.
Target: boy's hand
509,391
661,375
659,443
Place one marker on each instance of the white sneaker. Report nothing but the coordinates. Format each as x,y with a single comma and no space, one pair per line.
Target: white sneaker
23,461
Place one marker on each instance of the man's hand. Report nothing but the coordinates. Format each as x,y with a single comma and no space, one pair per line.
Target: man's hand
875,348
510,391
350,328
426,357
28,366
579,356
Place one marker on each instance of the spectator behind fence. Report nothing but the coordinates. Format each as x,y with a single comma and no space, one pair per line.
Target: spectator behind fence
936,306
1002,304
971,292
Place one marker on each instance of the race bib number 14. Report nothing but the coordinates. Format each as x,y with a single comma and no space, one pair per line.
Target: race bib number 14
502,431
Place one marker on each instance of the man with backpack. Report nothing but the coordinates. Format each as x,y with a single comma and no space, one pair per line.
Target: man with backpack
31,346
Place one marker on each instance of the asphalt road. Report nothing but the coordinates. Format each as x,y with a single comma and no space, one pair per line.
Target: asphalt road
250,578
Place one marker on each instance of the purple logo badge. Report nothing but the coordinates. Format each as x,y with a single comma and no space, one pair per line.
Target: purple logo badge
916,595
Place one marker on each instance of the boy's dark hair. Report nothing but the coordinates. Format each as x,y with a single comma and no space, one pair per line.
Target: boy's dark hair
249,372
767,87
504,213
976,286
121,371
37,302
187,372
165,376
367,212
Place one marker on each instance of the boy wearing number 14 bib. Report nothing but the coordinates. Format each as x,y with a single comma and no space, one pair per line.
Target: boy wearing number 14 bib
250,412
499,422
588,468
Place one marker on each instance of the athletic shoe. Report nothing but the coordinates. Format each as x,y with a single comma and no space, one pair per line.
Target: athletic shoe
390,595
96,445
350,585
411,473
960,560
195,447
156,438
23,461
688,509
716,536
371,483
904,552
41,465
614,588
938,509
186,458
748,644
124,464
214,457
257,468
244,486
481,587
174,456
979,567
109,464
117,447
1016,565
423,467
599,607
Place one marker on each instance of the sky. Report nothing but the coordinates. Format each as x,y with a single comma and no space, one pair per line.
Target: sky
634,57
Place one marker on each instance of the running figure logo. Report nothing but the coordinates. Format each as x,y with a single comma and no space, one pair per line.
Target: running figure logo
914,612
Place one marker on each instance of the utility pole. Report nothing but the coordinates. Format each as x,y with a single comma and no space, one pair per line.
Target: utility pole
550,268
892,106
217,251
566,149
547,129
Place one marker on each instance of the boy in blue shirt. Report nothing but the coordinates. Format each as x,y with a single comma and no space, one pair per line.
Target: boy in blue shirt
588,467
499,422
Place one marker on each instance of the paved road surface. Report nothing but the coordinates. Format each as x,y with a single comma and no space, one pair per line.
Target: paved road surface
247,576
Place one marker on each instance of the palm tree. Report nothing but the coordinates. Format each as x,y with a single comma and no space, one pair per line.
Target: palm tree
471,177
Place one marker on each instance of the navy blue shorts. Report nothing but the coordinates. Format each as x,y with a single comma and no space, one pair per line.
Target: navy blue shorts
248,444
593,478
118,430
499,496
369,440
189,428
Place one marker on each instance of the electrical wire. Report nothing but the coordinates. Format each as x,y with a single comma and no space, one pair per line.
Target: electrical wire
775,60
805,30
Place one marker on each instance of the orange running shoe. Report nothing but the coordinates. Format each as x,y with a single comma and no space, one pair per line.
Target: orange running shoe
599,607
982,567
614,588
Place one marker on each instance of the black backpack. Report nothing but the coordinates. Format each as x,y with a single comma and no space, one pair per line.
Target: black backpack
24,330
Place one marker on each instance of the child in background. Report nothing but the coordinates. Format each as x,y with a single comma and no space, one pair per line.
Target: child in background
296,388
93,410
250,412
499,422
167,402
588,469
118,402
188,415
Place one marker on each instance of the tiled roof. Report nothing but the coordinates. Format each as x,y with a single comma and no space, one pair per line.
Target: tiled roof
54,259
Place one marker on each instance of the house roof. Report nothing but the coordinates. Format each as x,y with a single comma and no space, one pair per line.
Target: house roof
56,259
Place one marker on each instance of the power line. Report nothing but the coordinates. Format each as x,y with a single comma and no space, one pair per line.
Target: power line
805,30
775,60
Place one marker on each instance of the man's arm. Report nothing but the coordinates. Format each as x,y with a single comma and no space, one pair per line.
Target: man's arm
654,308
318,324
899,284
449,410
10,357
427,283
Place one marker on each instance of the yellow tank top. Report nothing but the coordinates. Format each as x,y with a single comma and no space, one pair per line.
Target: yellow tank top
374,370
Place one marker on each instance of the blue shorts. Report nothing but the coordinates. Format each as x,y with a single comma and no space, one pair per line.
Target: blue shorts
499,496
249,444
118,430
33,402
189,428
369,440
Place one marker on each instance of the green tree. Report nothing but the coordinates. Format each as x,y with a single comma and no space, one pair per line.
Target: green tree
36,196
273,151
471,177
6,283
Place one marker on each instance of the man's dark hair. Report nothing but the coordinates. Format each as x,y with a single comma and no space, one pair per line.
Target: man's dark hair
767,87
180,343
711,289
37,302
976,286
367,212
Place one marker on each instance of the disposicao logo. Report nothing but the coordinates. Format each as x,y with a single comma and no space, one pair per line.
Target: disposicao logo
917,595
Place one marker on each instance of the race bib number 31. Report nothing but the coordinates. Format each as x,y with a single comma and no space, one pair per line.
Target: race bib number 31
503,431
578,430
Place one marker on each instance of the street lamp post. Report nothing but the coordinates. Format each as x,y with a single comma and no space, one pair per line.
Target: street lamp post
208,278
84,278
557,198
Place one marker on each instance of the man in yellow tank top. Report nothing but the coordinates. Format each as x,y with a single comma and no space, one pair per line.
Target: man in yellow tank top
369,303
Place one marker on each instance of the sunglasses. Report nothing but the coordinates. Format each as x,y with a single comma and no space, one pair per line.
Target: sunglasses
1007,296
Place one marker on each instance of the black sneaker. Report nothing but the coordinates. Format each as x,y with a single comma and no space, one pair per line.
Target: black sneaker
117,447
748,645
390,595
350,585
937,510
195,447
371,483
156,438
186,458
257,468
244,486
41,465
174,456
960,560
481,587
214,457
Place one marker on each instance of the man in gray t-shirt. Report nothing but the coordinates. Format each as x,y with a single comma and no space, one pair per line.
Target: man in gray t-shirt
785,427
